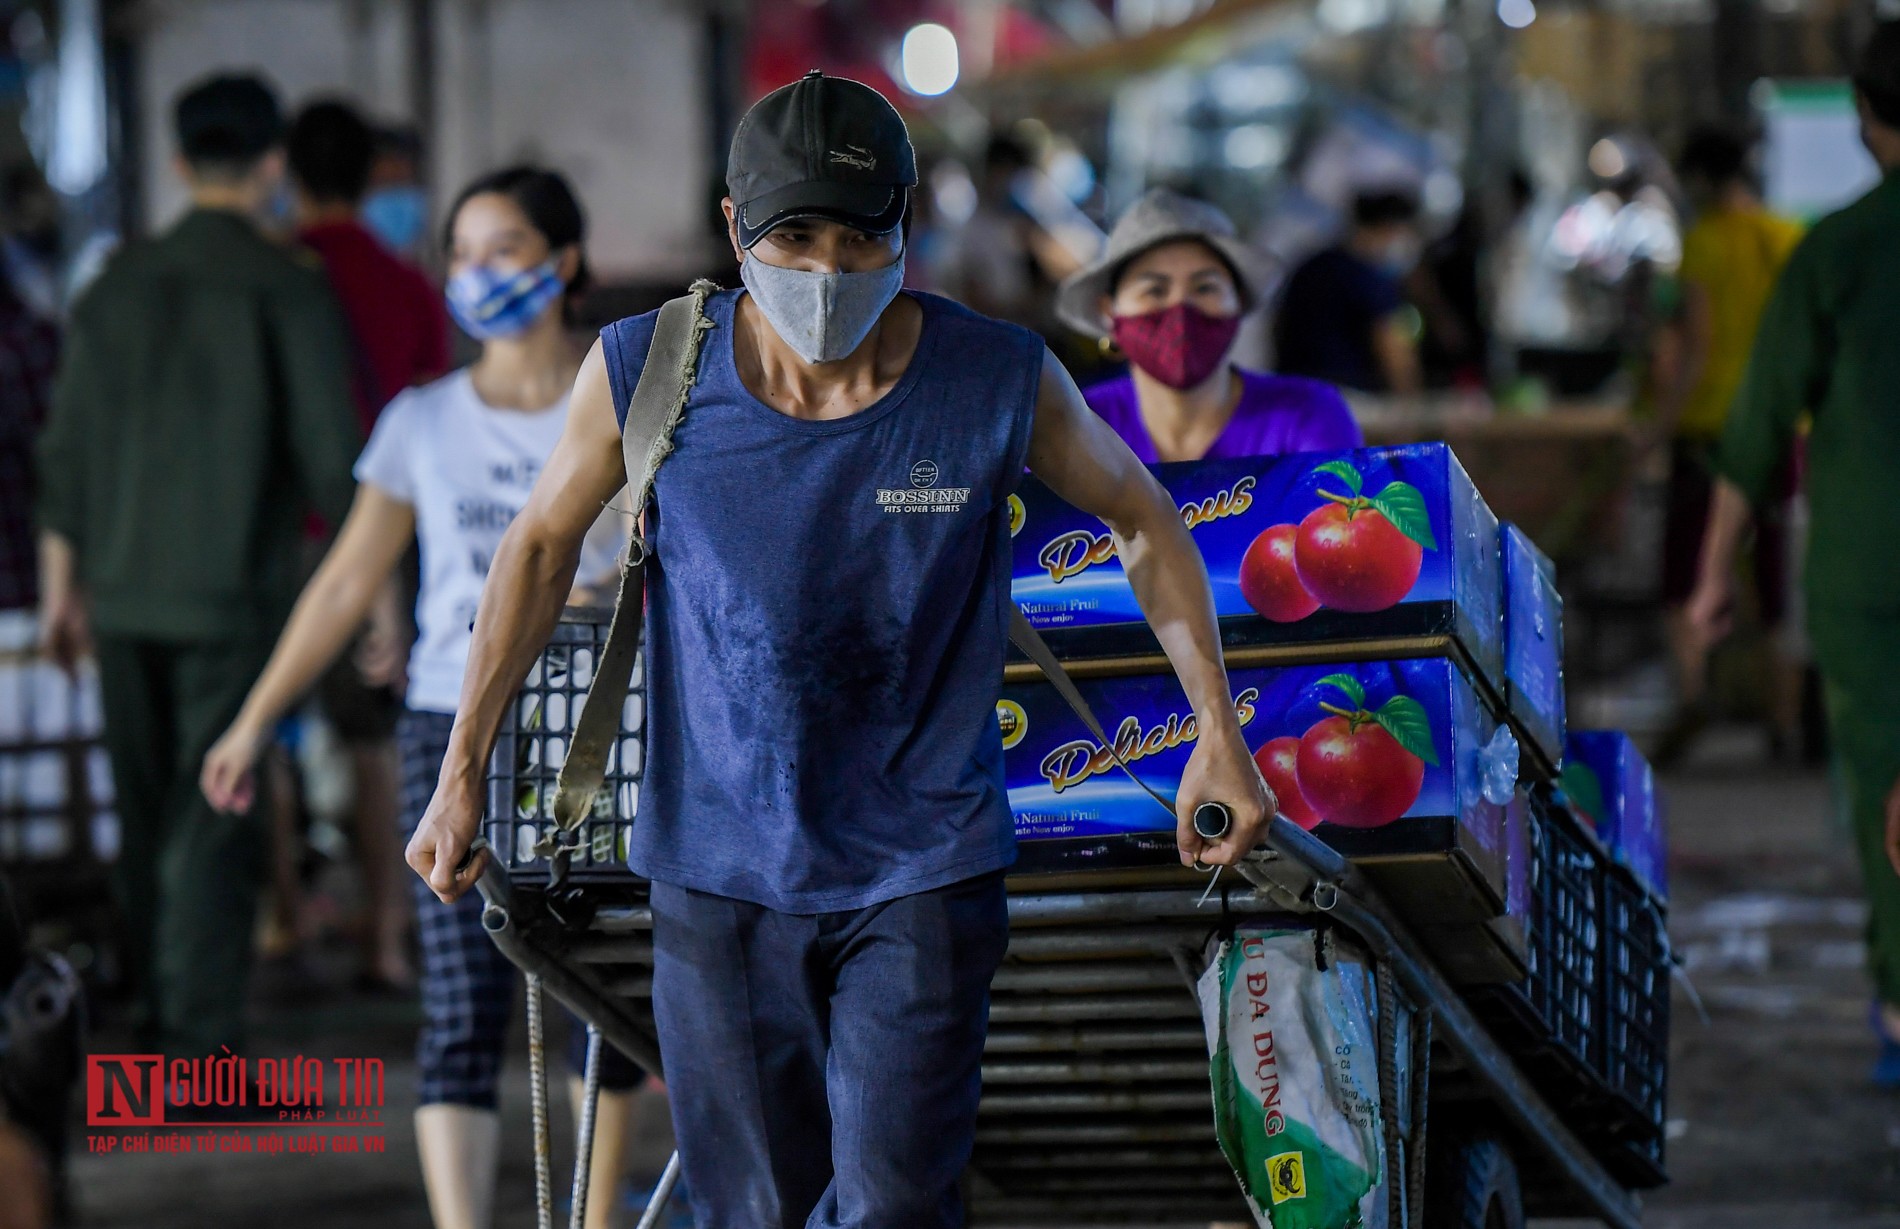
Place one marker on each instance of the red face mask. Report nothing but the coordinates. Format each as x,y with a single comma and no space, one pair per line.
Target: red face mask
1179,346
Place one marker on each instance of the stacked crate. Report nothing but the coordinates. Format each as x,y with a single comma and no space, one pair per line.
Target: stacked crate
1529,861
532,744
1359,600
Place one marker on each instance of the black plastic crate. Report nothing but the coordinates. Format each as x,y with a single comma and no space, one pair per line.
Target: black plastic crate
532,745
1636,983
1567,948
1552,1020
1638,1164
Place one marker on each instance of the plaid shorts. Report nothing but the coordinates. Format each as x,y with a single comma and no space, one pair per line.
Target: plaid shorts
468,986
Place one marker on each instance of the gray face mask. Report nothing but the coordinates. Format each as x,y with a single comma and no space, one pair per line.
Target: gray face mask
822,316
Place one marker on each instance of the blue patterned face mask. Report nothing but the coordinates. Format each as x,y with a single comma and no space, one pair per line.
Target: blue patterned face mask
488,303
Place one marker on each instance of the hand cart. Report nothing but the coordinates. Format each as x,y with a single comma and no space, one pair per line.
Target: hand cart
1097,1107
1096,1104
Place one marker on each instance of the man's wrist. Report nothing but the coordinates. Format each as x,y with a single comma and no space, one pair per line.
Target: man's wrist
1217,720
461,773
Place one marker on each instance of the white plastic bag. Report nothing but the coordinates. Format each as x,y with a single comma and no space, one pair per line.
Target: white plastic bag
1294,1063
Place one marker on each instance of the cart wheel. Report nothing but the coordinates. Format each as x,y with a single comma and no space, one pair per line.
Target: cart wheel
1471,1183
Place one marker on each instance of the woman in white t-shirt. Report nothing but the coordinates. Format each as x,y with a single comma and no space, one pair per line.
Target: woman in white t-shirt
447,467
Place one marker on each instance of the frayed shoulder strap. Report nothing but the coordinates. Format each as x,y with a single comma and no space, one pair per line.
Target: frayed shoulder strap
653,413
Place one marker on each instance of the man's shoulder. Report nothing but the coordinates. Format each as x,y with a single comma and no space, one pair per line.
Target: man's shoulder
285,270
971,328
1873,218
631,330
625,342
352,242
131,261
637,330
212,249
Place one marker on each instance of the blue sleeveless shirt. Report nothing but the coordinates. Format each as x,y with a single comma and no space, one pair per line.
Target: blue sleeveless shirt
827,622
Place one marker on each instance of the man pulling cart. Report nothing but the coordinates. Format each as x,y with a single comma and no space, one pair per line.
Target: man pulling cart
823,816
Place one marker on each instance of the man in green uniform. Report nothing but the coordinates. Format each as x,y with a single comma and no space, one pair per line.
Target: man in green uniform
203,408
1829,345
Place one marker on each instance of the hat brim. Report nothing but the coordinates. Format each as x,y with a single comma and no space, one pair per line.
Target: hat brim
871,208
1079,298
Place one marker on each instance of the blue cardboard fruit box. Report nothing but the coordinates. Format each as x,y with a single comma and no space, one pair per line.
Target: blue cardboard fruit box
1533,649
1497,951
1387,762
1608,783
1305,551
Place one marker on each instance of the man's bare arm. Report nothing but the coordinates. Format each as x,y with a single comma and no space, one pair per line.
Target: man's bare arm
1087,464
65,628
1711,605
527,585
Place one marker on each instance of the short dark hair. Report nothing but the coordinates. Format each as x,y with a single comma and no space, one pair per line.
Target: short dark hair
398,141
1384,207
1878,75
330,149
1717,155
551,207
226,123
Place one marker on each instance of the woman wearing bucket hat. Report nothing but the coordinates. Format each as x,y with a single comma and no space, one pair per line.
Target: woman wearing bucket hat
1169,292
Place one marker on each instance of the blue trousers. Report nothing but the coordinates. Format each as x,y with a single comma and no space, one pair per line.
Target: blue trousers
824,1069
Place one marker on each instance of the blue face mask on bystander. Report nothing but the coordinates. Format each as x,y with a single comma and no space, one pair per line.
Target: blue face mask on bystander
397,215
488,303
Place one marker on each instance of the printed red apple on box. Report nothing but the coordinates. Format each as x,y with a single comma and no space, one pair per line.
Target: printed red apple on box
1303,549
1396,764
1358,553
1357,767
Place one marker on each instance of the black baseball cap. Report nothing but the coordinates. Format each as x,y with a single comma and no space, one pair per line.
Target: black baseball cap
821,147
1878,75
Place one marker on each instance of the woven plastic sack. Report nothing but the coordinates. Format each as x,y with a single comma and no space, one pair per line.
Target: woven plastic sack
1293,1053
